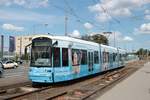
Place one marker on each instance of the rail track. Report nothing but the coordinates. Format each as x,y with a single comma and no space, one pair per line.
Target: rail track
78,91
91,88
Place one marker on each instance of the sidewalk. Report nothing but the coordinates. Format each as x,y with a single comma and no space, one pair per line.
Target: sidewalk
135,87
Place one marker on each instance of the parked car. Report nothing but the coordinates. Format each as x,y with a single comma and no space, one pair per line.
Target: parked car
10,64
1,69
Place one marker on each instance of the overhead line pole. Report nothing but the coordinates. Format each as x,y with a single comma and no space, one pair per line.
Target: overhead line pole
114,40
66,20
2,46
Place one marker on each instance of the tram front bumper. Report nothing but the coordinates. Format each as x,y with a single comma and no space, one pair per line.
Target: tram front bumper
40,75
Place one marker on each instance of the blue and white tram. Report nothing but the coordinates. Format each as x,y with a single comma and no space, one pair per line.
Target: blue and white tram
109,57
122,57
61,58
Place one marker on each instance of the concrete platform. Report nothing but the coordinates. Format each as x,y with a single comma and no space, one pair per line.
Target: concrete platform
135,87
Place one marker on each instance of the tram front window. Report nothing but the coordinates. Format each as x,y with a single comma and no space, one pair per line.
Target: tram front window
41,56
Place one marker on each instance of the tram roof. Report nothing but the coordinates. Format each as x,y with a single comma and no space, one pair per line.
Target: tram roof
122,50
71,39
66,38
110,47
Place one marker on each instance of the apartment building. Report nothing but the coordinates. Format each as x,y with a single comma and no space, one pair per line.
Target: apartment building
21,42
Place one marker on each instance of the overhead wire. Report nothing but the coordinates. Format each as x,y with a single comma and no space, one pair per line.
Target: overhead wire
105,10
72,12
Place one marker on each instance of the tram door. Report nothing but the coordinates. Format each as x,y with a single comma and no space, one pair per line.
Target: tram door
90,61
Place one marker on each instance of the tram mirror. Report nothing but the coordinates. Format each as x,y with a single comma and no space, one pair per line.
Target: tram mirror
25,50
55,43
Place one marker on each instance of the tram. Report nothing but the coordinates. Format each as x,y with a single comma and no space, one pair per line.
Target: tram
61,58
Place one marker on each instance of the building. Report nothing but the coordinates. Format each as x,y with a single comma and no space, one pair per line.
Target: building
21,42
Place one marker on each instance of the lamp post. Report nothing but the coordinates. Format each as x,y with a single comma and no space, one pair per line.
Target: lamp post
2,46
66,23
20,53
114,39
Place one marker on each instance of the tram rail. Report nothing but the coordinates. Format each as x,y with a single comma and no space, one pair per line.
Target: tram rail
80,90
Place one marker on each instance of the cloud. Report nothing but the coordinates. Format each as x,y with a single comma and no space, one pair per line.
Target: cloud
88,26
147,14
147,11
11,27
103,17
75,33
120,38
19,2
147,17
143,29
127,39
26,16
25,3
115,8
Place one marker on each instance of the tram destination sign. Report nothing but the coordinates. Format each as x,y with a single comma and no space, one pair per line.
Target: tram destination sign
42,43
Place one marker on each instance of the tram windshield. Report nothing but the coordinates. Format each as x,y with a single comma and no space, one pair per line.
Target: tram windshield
41,54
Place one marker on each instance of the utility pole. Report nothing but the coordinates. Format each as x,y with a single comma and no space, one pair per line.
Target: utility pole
2,46
114,39
66,20
20,47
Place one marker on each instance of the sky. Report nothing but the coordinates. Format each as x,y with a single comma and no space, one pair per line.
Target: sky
128,20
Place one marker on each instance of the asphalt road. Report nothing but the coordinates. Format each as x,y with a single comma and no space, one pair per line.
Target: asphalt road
14,76
21,70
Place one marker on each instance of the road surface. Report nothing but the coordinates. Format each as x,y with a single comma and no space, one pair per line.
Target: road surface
14,76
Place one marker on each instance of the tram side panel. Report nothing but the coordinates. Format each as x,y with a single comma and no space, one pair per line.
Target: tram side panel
61,65
113,58
105,58
82,61
121,57
109,57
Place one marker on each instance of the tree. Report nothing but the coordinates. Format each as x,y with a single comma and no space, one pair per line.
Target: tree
98,38
143,53
25,56
16,57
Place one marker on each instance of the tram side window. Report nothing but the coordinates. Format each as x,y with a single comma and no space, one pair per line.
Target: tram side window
56,57
64,57
84,57
125,56
120,57
76,57
105,57
96,57
114,57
